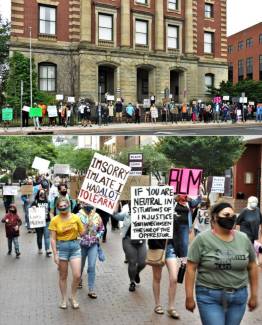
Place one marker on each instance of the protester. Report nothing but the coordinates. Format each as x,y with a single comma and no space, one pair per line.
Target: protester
174,113
223,261
89,243
64,113
135,250
62,190
65,229
250,220
105,218
12,223
105,114
41,201
154,113
202,217
137,114
165,113
27,199
129,113
110,112
36,120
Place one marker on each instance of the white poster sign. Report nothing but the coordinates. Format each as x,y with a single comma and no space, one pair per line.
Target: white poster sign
52,111
226,97
152,209
110,98
41,164
71,100
37,217
10,190
104,182
61,169
26,108
218,185
59,97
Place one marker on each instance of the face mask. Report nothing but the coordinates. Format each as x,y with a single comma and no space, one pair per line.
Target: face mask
12,211
64,209
253,205
226,223
88,209
63,193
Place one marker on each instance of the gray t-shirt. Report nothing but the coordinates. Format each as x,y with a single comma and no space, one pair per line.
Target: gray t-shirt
249,221
221,264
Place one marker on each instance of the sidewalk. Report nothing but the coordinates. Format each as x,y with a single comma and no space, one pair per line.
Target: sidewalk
30,296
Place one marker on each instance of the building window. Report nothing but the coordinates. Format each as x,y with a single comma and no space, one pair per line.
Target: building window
47,77
209,81
172,4
230,72
209,10
240,45
141,32
47,20
240,70
249,42
249,68
105,27
173,37
230,49
209,42
260,67
260,39
143,2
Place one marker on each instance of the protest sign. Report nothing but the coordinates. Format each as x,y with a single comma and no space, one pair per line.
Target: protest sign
37,217
75,185
226,97
26,108
110,98
35,112
217,100
59,97
146,103
10,190
52,111
135,162
26,189
185,181
152,210
218,185
7,114
41,164
133,181
71,100
61,169
104,182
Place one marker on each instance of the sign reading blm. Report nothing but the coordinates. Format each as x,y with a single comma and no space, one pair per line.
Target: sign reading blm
37,217
152,209
104,182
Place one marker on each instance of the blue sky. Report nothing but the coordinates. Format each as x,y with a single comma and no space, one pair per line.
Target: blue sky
241,13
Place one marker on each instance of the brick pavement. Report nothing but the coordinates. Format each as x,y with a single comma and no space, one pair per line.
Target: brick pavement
29,291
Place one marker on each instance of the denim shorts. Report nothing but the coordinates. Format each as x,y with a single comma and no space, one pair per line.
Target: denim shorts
68,250
170,252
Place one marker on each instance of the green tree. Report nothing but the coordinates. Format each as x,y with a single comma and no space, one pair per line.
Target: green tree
4,53
212,154
155,162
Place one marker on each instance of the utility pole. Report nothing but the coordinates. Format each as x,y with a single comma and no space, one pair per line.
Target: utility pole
21,101
31,70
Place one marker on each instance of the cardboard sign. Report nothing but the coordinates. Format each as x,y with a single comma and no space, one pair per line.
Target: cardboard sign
26,189
7,114
26,108
10,190
61,169
104,182
152,210
133,181
52,111
218,185
37,217
35,112
41,164
185,181
75,186
59,97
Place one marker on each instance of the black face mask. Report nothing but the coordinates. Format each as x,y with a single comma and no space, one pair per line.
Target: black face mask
63,193
12,211
226,223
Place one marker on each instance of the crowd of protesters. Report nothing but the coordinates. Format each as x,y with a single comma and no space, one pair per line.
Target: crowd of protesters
75,231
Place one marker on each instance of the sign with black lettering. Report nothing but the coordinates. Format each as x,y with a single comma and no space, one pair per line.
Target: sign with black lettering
185,181
104,182
152,209
135,162
37,217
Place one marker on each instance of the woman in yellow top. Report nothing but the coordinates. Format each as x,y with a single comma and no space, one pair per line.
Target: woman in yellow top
65,229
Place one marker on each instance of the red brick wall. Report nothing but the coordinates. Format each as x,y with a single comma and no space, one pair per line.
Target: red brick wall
255,51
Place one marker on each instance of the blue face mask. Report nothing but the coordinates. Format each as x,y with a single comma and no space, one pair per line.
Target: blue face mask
88,209
64,209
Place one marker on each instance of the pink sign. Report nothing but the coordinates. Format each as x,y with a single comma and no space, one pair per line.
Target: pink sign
185,181
217,100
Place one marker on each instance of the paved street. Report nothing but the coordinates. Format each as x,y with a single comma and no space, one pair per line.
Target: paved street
187,128
29,292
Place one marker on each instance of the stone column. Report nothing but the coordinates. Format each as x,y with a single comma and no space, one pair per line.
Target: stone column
159,26
86,20
125,23
189,26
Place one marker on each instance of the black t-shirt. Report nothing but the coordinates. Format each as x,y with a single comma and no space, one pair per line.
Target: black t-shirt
119,107
181,215
249,222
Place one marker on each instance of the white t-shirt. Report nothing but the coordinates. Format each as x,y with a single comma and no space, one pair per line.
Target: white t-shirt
202,221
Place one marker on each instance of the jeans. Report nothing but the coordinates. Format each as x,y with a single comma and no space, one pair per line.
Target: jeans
40,232
91,254
181,239
221,307
25,208
16,244
36,122
216,117
136,256
259,118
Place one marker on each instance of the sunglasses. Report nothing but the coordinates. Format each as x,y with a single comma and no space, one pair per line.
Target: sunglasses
229,215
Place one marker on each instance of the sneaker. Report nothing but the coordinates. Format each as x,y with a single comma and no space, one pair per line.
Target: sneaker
9,253
132,287
40,251
137,278
48,254
18,254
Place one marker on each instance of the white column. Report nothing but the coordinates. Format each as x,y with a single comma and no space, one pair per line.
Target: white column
159,26
86,20
189,26
125,23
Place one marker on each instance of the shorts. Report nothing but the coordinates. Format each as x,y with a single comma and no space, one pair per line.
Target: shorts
119,114
68,250
170,252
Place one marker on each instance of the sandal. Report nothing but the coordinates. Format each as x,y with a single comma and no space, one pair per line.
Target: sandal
80,285
173,314
63,305
159,310
92,295
74,303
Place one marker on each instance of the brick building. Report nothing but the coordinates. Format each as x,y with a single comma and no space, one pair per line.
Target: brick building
245,54
128,48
